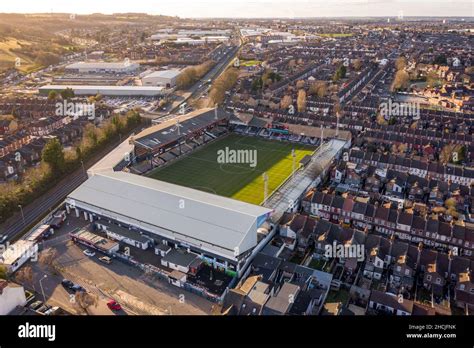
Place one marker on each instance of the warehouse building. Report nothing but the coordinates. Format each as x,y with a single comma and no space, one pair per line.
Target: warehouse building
223,232
125,67
164,78
112,91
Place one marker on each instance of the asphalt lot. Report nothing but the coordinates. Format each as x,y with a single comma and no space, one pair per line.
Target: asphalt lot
128,285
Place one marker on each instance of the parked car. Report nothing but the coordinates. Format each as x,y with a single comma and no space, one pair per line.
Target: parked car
105,259
52,311
44,308
35,305
113,305
77,288
89,253
67,283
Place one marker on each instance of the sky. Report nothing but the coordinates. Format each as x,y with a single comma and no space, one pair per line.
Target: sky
250,8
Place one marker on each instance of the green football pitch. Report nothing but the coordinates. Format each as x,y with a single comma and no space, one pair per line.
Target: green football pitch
201,169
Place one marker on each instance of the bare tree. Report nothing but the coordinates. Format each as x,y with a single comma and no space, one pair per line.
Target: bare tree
48,256
318,88
299,84
84,300
357,64
301,101
401,63
400,81
286,101
25,276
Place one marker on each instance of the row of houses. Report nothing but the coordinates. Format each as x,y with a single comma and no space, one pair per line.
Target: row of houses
448,173
404,261
368,180
387,221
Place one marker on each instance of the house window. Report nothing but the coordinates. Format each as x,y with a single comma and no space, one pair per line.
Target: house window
407,272
462,287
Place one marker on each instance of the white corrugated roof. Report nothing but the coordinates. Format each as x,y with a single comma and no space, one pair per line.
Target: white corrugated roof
216,223
167,74
102,65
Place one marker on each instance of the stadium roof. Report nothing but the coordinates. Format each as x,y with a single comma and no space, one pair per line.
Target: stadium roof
210,222
167,132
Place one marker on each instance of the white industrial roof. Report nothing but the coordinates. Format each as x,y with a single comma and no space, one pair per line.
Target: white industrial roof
101,65
167,74
212,222
104,88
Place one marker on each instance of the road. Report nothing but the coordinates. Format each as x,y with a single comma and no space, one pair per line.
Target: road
201,87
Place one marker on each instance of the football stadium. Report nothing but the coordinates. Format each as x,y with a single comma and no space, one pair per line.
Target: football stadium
203,188
203,171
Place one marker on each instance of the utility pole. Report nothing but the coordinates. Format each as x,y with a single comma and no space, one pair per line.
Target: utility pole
41,285
22,215
179,135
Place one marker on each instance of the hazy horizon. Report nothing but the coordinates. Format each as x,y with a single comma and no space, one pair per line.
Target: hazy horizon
254,8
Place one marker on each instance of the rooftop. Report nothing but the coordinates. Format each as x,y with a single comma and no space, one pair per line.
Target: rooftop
219,224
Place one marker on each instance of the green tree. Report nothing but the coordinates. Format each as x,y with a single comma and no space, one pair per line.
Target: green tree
440,60
52,95
257,84
3,272
68,93
53,154
340,73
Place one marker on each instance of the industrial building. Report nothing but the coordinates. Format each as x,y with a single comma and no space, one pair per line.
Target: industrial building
164,78
125,67
112,91
221,231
